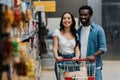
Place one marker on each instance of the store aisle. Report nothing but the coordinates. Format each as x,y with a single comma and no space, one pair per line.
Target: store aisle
111,70
47,63
48,75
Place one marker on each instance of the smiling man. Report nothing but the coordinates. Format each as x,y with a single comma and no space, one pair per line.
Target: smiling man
92,39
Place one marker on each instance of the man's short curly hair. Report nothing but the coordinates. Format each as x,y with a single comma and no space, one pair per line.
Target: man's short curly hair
88,8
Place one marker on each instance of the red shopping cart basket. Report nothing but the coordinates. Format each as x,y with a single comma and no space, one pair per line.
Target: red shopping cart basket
81,69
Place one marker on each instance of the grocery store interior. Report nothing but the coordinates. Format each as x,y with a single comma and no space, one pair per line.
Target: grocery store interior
26,28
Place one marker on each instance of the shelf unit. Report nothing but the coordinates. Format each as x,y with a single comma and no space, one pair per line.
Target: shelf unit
31,38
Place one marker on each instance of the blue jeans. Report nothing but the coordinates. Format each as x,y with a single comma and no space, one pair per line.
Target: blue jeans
57,72
98,74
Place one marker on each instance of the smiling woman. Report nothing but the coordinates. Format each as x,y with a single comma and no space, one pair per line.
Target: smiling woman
65,43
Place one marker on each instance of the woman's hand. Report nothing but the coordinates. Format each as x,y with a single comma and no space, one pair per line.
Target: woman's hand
75,58
59,58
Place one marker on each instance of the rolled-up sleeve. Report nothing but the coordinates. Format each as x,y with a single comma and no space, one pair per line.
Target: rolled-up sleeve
102,40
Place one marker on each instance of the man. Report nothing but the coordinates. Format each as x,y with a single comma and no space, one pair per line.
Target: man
92,39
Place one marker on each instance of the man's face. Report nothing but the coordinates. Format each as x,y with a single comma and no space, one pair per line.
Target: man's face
84,17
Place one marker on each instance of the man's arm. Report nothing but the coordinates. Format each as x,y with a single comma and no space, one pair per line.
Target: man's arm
102,44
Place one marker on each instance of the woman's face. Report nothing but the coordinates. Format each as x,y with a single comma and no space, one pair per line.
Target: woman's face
67,20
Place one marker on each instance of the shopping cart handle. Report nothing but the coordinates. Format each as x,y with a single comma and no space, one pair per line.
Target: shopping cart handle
80,59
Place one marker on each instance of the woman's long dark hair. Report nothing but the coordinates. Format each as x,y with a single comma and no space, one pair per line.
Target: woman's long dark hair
72,28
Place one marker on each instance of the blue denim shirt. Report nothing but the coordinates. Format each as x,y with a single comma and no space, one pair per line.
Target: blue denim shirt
96,41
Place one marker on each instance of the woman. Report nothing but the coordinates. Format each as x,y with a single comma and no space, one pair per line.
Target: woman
65,40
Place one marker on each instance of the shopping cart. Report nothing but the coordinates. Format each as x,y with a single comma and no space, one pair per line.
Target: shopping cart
81,69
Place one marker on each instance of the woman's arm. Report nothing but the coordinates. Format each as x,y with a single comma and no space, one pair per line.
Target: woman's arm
77,53
55,48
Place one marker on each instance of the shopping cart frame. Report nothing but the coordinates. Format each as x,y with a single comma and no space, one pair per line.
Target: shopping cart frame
91,73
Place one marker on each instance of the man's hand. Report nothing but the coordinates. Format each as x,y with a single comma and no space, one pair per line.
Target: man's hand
92,57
